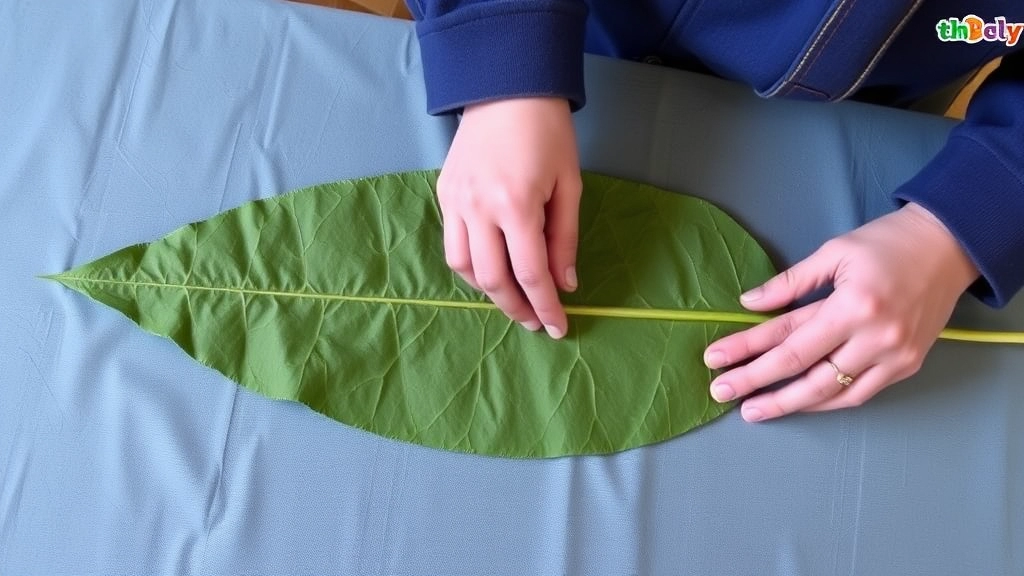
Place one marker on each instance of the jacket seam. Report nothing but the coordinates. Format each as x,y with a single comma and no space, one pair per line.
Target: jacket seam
797,86
790,77
802,72
678,23
881,50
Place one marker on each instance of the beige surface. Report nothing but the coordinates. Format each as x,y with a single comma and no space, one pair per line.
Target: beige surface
959,106
393,8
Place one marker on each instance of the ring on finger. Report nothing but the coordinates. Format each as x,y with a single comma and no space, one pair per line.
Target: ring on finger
842,378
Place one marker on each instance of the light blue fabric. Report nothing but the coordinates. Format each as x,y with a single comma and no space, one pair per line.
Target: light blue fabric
121,121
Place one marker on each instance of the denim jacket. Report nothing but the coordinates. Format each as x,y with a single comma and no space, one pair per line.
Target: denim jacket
892,51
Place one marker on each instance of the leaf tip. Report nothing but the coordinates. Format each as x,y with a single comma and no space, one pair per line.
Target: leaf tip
59,277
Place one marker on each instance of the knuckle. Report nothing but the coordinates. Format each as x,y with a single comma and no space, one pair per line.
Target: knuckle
783,329
835,246
789,277
546,315
447,188
823,390
458,263
567,241
786,281
916,364
866,305
527,220
489,282
502,196
911,361
893,336
789,359
841,247
444,181
844,403
855,400
773,408
529,277
509,198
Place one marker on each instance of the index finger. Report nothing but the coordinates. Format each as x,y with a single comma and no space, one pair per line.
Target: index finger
528,255
806,345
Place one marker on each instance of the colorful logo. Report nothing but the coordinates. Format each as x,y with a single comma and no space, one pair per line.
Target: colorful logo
972,29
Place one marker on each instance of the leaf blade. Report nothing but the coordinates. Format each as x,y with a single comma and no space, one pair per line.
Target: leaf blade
271,294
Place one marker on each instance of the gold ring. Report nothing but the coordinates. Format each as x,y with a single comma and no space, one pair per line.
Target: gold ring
841,377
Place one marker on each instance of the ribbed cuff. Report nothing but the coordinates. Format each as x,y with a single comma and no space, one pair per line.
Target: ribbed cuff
981,200
496,50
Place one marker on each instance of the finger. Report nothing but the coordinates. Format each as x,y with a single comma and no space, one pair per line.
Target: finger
490,265
456,249
757,340
808,344
562,229
806,275
528,254
817,385
863,388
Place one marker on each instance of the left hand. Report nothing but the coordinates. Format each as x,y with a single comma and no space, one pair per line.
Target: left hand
895,282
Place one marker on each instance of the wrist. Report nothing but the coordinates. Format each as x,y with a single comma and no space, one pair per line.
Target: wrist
938,237
529,104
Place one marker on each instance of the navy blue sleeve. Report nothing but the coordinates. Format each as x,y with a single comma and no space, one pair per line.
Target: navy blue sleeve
975,185
480,50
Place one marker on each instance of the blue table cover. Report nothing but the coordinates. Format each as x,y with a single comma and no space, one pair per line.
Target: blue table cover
122,120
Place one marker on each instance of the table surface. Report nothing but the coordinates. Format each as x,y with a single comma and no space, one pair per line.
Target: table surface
123,120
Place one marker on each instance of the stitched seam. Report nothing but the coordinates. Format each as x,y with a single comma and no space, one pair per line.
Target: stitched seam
799,67
882,50
809,90
694,6
800,74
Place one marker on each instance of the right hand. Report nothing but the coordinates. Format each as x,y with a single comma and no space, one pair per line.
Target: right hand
509,193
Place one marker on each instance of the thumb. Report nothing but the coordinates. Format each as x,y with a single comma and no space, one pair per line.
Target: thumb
562,230
803,277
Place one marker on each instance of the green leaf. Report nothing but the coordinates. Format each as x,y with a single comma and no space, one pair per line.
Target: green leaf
338,296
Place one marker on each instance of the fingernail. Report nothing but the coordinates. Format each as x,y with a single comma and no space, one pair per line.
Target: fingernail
570,277
554,331
531,325
723,392
714,359
753,295
752,414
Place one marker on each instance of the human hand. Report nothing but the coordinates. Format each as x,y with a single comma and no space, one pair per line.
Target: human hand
896,280
509,192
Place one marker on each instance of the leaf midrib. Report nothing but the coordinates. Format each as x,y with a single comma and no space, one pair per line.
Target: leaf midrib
598,311
986,336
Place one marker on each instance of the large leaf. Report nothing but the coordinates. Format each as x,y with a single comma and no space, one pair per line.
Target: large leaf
338,296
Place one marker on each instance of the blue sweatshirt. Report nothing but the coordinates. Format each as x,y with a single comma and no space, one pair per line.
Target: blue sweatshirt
890,51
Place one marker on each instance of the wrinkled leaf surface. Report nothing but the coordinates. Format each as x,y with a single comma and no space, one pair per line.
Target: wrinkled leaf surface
338,296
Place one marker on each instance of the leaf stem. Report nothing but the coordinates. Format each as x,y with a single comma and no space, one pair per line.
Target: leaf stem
986,336
671,315
958,334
